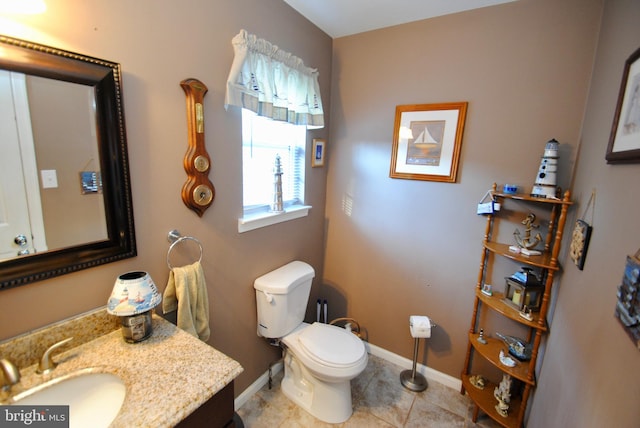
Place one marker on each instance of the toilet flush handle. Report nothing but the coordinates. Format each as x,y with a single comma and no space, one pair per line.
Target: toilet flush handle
268,296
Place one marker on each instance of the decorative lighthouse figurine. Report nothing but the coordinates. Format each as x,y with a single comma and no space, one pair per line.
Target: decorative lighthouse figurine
545,184
277,207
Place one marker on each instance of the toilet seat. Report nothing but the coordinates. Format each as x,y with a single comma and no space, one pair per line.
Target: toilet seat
338,354
320,361
330,345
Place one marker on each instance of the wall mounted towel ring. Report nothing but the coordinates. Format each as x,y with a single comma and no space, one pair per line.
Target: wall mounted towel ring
175,238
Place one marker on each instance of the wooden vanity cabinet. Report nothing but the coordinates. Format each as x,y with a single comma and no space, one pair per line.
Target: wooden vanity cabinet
547,266
217,412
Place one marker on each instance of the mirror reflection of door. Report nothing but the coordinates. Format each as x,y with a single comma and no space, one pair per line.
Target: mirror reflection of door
63,120
49,149
21,222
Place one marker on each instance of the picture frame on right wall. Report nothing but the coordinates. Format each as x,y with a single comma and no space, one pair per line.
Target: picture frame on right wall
624,142
627,309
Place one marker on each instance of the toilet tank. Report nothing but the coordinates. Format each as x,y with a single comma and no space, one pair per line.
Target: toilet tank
282,296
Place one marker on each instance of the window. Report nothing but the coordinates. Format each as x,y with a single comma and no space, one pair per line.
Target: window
262,140
276,84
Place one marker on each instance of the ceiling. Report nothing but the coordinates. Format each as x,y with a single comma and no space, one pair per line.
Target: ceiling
339,18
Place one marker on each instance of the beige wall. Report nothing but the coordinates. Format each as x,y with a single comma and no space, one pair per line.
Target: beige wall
65,141
396,248
158,44
408,247
590,374
400,247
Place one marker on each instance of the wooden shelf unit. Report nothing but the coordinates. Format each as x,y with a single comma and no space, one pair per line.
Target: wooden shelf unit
486,402
547,263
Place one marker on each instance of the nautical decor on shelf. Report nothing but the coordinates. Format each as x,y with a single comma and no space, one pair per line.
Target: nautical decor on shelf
528,242
523,291
517,347
502,393
478,381
545,183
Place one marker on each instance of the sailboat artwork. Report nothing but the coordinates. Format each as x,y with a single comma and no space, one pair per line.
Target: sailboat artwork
426,141
426,148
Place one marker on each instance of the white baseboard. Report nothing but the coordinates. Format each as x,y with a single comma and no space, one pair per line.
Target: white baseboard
256,386
427,372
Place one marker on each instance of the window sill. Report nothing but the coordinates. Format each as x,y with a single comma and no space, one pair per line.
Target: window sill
257,221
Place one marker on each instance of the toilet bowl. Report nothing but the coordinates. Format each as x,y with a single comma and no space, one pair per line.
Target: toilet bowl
319,359
319,362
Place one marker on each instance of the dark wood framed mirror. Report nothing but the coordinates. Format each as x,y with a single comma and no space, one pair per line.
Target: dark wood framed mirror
99,227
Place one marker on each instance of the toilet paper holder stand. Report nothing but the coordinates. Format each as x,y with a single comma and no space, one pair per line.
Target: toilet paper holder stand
411,379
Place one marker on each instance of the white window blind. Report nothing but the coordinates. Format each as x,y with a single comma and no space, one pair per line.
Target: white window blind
262,140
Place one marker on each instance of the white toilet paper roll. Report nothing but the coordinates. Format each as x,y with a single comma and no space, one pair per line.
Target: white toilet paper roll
420,326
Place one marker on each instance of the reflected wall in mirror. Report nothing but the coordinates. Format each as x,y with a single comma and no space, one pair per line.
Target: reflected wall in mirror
65,195
44,143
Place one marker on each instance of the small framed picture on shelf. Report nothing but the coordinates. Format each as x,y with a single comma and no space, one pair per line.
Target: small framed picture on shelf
486,289
317,157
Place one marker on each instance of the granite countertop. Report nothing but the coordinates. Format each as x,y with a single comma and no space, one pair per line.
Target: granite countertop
167,376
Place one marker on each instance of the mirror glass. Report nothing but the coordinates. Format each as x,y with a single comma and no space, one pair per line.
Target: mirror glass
65,199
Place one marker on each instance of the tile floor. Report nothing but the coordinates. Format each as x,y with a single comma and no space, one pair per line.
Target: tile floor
379,400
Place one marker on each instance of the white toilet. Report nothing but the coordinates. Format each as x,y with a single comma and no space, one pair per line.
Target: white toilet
320,359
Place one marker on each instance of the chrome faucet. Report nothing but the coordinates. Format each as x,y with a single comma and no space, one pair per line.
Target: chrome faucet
9,376
46,363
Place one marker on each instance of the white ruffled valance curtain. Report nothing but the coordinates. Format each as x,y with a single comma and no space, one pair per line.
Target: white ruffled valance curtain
273,83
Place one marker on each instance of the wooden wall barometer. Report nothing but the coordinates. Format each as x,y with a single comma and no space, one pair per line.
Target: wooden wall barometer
198,191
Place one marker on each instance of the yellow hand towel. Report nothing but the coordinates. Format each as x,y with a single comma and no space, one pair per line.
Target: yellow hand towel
187,292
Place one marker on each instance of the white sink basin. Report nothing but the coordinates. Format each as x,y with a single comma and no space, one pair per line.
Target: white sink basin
94,399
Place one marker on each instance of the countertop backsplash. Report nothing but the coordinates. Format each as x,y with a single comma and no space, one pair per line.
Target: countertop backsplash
25,349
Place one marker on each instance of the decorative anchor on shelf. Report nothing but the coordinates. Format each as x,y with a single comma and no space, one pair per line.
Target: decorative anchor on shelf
527,242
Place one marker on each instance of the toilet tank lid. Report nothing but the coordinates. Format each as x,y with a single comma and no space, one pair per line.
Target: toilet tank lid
285,278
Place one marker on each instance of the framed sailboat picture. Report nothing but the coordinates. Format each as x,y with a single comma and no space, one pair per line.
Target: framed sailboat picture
427,140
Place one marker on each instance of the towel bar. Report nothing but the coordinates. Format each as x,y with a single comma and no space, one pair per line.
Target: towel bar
175,238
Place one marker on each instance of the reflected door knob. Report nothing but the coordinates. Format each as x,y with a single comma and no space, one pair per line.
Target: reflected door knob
20,240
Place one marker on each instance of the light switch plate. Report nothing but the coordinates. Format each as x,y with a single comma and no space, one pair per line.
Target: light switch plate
49,178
